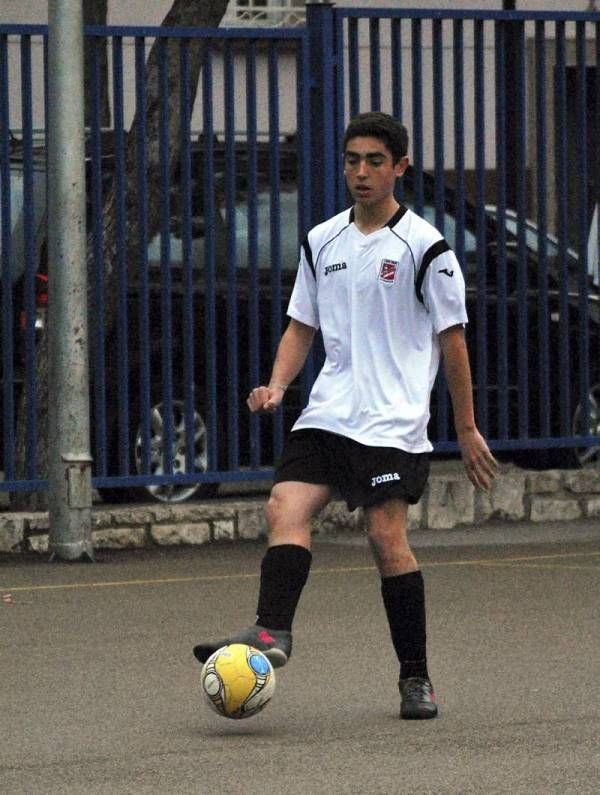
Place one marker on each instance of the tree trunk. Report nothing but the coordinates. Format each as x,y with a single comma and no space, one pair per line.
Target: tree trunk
183,13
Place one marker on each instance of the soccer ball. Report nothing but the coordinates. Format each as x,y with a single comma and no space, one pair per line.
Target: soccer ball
238,681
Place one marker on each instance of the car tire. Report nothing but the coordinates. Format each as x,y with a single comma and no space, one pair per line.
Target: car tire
168,493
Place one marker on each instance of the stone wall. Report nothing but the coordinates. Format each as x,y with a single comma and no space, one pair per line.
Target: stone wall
450,501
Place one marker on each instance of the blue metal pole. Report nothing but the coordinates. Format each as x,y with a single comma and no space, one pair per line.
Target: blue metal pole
233,443
482,325
321,32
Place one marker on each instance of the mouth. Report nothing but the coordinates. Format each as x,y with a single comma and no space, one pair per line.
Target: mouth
362,190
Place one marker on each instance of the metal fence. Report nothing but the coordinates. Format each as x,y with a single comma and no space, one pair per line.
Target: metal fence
192,259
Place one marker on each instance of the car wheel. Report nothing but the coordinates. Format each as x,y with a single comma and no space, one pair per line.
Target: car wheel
588,456
173,492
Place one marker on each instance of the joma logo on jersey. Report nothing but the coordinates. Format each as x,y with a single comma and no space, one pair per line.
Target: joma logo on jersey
379,479
337,266
388,270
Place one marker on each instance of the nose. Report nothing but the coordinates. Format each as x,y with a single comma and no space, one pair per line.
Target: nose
362,169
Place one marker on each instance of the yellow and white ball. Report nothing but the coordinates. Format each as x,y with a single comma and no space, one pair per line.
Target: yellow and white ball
238,681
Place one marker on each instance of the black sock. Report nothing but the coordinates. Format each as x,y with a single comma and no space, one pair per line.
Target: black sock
404,600
283,574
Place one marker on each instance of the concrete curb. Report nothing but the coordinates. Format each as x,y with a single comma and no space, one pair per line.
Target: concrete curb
450,501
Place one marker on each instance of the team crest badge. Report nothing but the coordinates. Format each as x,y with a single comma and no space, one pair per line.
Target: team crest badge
388,270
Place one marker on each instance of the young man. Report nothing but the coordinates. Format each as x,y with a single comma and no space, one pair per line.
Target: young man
389,297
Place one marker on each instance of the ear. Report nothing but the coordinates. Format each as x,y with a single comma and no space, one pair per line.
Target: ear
401,166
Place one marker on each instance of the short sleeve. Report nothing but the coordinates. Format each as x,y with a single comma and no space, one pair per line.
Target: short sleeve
443,291
303,301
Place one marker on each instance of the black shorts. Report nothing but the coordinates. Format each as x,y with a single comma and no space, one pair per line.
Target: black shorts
364,476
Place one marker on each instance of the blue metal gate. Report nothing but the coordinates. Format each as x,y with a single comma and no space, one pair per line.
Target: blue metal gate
189,303
503,111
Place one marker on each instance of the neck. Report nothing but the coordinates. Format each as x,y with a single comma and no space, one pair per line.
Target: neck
369,218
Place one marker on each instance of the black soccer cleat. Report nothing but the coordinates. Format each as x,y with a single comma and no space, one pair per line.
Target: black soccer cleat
418,699
275,644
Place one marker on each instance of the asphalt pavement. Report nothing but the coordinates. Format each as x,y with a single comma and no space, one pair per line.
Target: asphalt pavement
100,693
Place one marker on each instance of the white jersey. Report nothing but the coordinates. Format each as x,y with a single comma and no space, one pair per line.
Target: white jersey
380,301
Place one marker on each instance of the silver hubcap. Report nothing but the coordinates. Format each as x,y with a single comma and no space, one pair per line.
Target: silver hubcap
172,492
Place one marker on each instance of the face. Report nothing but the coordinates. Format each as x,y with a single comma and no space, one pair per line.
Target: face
370,171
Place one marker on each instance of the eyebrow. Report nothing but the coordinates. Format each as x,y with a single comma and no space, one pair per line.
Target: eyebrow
377,153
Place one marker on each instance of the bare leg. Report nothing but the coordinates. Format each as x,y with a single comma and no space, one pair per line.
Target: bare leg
387,529
290,510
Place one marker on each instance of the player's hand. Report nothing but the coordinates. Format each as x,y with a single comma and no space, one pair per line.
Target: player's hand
265,399
480,464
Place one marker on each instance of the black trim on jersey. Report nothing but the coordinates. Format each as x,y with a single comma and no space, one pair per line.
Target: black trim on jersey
308,254
327,242
432,252
393,220
400,212
407,244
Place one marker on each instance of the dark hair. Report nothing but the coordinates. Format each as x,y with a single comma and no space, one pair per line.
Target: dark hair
379,125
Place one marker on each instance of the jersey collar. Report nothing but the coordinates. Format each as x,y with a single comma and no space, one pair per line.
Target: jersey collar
393,220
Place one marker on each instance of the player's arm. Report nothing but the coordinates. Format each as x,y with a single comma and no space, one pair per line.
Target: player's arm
291,355
480,464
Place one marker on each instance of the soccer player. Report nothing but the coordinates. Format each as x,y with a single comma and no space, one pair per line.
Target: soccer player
389,297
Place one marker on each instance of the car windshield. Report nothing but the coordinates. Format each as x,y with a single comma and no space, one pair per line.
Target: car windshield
532,238
288,231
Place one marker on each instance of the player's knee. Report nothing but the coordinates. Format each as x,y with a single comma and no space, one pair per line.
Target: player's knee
387,544
275,512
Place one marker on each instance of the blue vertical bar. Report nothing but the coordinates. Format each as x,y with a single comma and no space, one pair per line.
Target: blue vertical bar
503,332
233,401
340,107
396,51
542,222
321,21
98,305
253,271
30,255
482,325
165,262
141,168
583,215
438,124
520,111
353,67
303,77
275,225
459,138
187,388
304,142
375,63
417,99
397,95
210,257
560,148
8,404
321,30
121,226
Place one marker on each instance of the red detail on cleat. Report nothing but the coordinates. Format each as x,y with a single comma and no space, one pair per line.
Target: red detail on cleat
265,637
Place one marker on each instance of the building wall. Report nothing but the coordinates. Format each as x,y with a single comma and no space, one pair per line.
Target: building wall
141,12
